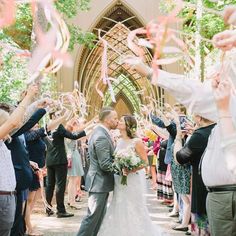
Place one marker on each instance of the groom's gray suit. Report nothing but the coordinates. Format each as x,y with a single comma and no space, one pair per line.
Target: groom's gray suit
99,180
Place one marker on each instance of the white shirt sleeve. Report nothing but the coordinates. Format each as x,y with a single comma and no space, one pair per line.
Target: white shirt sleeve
193,94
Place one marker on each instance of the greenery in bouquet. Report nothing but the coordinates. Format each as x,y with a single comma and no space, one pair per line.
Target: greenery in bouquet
126,159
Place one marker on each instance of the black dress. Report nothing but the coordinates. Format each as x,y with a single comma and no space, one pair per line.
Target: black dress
162,166
37,152
192,153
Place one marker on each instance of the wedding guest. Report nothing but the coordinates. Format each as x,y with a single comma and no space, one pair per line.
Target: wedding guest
191,153
83,150
75,167
151,157
56,162
7,174
166,121
181,180
37,153
164,187
22,166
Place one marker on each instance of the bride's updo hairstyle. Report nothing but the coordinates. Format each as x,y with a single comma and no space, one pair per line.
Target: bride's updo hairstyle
131,126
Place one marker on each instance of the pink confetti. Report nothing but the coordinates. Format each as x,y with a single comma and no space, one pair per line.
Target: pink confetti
104,72
7,12
51,51
158,35
130,39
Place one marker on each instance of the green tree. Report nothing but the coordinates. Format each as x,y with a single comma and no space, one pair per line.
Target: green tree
13,69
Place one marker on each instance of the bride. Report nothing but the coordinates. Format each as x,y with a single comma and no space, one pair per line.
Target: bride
128,214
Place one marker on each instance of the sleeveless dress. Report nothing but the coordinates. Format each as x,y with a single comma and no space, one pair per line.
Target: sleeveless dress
127,214
77,166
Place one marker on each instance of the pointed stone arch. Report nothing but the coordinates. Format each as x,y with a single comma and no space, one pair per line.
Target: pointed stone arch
115,25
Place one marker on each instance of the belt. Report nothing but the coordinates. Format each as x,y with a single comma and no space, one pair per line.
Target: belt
7,192
226,188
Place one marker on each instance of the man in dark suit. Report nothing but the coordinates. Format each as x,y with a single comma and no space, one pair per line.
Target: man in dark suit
100,179
56,162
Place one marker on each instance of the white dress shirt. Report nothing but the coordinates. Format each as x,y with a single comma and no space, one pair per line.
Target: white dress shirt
7,173
199,98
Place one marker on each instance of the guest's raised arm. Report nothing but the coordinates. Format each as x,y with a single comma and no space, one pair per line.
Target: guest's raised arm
16,118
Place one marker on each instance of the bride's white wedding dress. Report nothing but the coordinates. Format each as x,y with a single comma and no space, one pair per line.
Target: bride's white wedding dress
127,214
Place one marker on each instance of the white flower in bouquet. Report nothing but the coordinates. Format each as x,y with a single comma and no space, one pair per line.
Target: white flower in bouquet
135,160
126,159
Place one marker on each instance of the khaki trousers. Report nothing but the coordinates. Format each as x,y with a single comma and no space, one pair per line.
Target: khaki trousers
221,211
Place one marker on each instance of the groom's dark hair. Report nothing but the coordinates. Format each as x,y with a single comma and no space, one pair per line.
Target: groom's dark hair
105,111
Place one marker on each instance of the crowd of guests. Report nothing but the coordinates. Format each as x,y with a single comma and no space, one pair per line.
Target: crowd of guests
178,153
29,152
208,155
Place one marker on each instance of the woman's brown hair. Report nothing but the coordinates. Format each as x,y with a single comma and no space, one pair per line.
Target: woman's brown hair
131,126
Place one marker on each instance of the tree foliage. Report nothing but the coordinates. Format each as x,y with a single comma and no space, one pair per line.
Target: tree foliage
21,31
13,69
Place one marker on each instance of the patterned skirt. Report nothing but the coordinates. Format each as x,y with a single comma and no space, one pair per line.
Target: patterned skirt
200,225
164,188
181,175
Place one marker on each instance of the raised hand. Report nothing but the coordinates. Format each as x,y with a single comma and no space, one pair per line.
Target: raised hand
32,90
138,65
230,15
225,40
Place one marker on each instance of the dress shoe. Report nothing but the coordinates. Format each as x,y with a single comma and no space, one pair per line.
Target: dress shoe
179,221
49,212
183,229
171,209
174,214
64,214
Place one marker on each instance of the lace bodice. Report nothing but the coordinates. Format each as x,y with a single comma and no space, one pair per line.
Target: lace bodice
123,144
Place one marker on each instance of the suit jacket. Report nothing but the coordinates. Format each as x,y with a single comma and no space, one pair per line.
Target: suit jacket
100,177
36,146
56,151
19,152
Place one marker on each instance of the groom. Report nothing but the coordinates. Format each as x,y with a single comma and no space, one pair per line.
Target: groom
100,179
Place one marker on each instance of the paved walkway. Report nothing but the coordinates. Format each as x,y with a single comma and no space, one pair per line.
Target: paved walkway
52,226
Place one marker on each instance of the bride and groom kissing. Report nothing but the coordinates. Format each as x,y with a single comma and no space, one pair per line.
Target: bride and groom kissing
127,214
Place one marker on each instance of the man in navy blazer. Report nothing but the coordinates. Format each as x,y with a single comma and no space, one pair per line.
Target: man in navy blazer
23,171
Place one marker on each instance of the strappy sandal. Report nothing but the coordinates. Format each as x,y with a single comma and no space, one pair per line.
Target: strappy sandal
75,207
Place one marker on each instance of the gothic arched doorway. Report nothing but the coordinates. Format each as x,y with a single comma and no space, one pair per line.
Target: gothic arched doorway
131,90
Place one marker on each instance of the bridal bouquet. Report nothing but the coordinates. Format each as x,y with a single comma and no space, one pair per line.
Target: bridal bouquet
126,159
